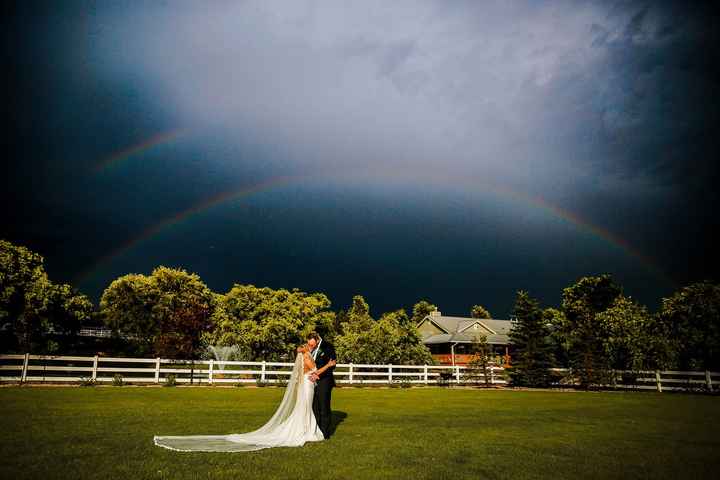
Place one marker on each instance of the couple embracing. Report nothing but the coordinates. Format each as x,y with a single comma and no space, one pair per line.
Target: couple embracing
304,413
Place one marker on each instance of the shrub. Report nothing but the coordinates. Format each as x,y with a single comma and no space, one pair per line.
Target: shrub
403,382
261,383
444,379
170,380
117,380
87,382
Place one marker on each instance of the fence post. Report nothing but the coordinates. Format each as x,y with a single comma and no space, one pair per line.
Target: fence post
262,375
658,381
95,362
351,373
389,373
492,376
457,374
23,375
210,371
157,370
425,373
708,380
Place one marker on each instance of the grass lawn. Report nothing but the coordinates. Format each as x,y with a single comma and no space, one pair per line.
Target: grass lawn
433,433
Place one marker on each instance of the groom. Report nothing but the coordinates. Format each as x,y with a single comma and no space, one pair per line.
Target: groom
322,353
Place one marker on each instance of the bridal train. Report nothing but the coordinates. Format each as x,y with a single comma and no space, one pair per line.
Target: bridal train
292,425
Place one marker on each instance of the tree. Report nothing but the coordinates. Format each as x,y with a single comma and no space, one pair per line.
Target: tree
421,310
358,316
582,333
270,323
478,311
67,310
479,364
692,314
32,306
183,310
392,339
22,286
556,322
530,334
625,325
126,307
164,313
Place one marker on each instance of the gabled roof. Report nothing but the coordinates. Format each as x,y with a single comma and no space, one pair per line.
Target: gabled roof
459,329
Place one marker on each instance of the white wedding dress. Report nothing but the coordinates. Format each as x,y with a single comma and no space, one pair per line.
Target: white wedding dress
292,425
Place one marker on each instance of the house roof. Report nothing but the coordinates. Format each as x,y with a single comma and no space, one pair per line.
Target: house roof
459,329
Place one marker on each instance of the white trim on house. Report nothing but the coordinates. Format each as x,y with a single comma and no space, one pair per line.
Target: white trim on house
479,322
427,319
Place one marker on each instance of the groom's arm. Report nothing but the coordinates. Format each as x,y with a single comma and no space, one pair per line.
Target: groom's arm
331,353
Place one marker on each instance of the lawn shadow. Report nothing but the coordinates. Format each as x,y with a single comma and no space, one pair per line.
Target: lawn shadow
337,418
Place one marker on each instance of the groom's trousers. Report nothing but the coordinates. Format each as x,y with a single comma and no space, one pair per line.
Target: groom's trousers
321,403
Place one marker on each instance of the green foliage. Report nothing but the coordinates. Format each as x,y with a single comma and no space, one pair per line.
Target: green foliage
556,323
34,307
478,368
183,310
268,323
478,311
582,332
392,339
530,335
421,310
692,314
166,312
170,380
117,380
127,305
632,338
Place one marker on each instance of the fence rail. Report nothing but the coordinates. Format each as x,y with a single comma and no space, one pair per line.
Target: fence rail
25,368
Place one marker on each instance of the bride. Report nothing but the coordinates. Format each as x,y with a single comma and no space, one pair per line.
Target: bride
292,425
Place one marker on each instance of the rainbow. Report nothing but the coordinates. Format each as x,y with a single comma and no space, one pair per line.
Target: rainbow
245,192
148,144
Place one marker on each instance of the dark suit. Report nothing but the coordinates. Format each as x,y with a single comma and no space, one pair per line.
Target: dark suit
323,387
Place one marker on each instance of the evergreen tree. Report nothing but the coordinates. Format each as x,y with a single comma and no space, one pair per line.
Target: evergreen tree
531,336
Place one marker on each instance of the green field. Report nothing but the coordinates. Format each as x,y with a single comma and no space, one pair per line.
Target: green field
419,433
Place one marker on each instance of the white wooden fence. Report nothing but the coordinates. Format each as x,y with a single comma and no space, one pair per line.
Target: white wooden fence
64,368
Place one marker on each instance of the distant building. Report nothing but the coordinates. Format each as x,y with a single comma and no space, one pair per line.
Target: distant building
449,338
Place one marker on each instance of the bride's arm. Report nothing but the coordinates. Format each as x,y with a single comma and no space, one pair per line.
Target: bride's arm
325,367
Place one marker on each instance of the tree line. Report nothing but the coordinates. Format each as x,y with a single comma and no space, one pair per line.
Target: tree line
172,314
598,330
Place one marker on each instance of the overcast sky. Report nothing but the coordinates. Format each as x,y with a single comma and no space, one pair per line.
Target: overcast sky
449,151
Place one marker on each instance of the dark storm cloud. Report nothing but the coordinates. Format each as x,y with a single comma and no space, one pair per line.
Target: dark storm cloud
606,109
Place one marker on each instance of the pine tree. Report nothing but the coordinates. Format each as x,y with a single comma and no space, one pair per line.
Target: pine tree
530,336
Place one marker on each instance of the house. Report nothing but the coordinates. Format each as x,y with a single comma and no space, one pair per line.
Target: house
449,338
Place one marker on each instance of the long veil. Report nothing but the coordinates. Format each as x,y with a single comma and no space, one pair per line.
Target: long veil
242,442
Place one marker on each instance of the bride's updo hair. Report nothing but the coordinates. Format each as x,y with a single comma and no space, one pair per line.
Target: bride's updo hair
313,335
